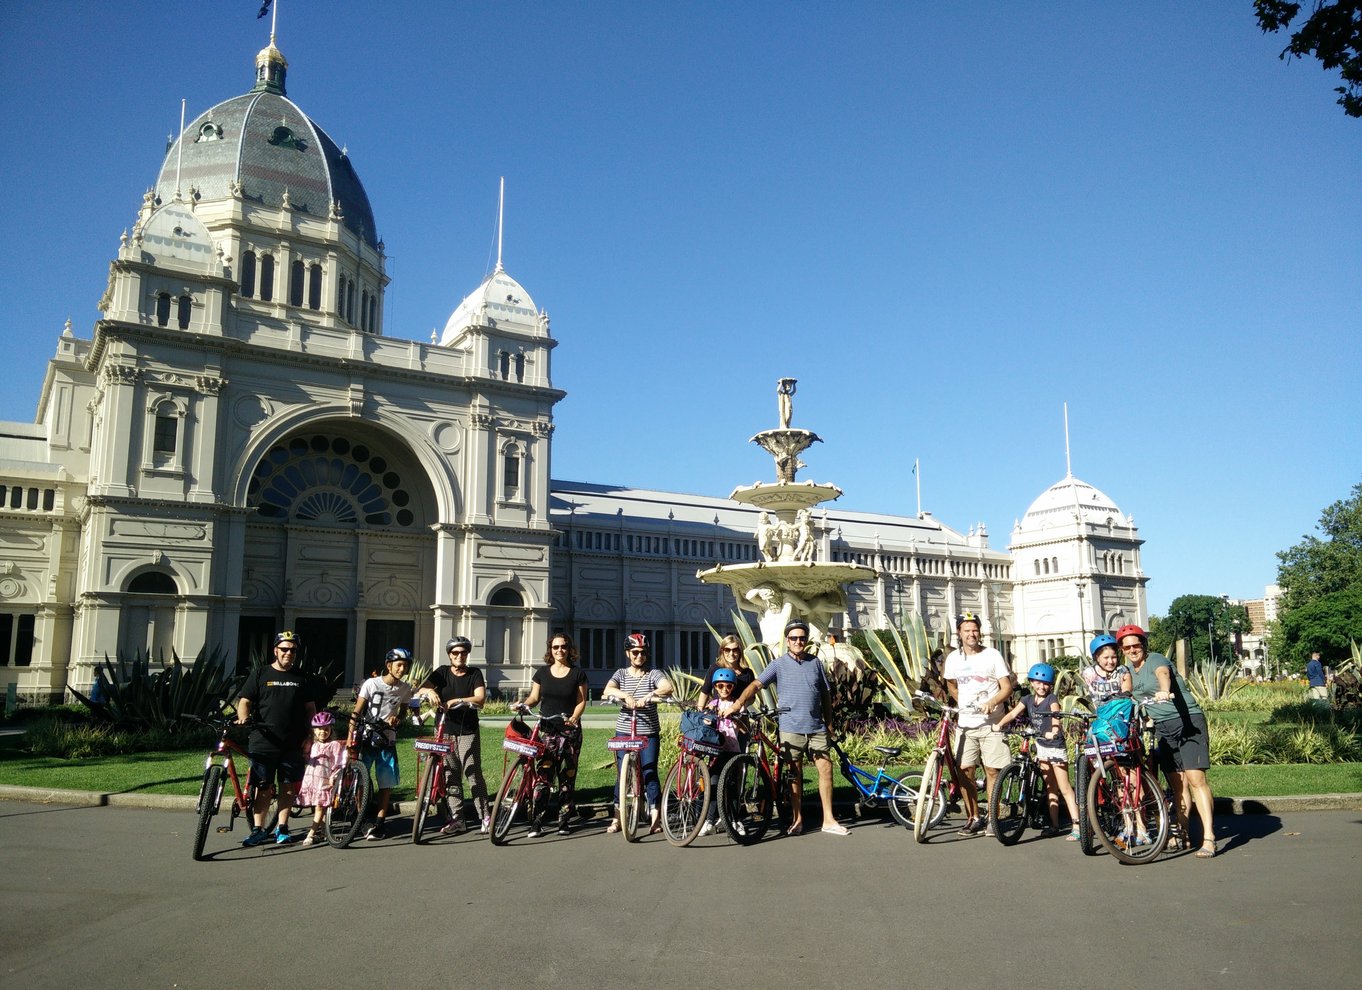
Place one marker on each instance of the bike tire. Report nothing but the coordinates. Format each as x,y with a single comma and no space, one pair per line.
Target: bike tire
685,800
425,798
510,797
209,794
929,795
349,799
902,799
1114,816
745,799
631,802
1087,841
1009,807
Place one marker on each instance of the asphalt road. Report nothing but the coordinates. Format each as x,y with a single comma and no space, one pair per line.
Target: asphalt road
109,897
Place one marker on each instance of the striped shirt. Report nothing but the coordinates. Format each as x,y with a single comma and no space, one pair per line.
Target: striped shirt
799,687
637,685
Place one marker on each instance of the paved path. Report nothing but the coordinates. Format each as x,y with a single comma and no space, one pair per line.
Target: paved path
109,897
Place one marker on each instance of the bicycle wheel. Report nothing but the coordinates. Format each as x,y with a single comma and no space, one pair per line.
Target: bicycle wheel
510,796
928,798
349,798
1007,809
209,793
425,797
685,800
745,799
1129,813
631,797
1087,842
903,799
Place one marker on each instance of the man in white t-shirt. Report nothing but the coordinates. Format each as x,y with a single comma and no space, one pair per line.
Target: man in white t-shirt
980,682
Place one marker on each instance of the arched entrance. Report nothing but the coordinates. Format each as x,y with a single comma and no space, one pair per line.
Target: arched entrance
340,548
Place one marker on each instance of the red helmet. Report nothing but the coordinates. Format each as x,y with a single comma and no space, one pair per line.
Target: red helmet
636,641
1131,630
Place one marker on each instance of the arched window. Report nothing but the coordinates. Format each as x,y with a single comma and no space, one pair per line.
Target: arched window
520,367
153,583
350,302
314,288
340,296
267,277
504,362
162,309
507,598
166,432
295,283
510,473
373,313
364,309
1047,566
1037,562
186,309
248,274
1055,561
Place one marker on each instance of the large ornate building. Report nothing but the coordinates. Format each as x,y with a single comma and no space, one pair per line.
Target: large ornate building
240,447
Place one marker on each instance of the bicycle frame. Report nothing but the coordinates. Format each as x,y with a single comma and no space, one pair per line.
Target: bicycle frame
882,789
520,777
219,764
629,793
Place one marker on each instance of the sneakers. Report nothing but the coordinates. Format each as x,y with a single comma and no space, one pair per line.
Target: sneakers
281,837
835,828
258,837
563,827
378,830
536,830
988,828
486,824
707,828
454,827
1050,831
738,828
973,827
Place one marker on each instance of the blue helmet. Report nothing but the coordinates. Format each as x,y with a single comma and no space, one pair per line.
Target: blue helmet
1042,672
397,653
1101,642
725,676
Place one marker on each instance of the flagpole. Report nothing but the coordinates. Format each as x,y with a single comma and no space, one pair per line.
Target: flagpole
917,476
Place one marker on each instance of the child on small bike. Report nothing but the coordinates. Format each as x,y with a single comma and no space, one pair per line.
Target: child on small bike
1049,743
724,704
323,760
1107,676
383,697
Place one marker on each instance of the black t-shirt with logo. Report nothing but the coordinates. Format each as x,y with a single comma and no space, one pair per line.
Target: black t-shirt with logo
279,704
449,685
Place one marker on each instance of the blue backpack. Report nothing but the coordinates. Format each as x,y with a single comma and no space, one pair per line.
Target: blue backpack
1110,730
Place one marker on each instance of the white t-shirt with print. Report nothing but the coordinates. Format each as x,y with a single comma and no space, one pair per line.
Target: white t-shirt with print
976,679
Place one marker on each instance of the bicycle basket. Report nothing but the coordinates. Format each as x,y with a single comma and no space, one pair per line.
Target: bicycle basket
626,743
699,748
700,726
518,739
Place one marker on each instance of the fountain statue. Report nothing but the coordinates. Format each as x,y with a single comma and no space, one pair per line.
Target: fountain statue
788,582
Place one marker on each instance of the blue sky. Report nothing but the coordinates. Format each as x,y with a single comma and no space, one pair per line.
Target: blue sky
944,219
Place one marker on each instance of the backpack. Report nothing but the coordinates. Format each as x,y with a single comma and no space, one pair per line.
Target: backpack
700,725
1110,730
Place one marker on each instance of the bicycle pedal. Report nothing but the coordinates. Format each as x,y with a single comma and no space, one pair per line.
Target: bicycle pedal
223,829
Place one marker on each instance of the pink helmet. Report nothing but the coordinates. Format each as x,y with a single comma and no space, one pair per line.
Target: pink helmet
323,720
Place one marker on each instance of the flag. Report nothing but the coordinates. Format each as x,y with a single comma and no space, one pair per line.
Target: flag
264,9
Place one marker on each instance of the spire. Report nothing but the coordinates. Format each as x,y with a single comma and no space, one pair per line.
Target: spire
1068,465
270,65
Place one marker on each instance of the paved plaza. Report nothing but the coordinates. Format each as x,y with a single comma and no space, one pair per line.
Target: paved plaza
109,897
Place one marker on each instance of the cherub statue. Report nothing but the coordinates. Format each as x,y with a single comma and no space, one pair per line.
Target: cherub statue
785,389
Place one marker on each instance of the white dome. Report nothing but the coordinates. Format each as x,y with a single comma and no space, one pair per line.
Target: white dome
499,301
1059,503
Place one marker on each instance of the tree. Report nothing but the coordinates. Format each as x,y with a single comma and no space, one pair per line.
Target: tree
1321,582
1332,33
1201,620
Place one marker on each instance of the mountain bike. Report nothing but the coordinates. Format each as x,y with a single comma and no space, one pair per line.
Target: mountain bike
520,777
686,792
941,776
352,787
754,787
881,789
631,810
218,768
439,774
1125,803
1019,797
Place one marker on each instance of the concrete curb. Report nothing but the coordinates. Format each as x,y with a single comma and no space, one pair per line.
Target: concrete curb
183,802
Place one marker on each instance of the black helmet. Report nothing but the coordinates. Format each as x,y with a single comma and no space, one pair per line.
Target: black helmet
968,617
288,636
397,653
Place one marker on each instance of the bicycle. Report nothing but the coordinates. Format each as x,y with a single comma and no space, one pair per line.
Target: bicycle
882,789
941,772
748,789
520,778
219,767
1082,765
352,787
436,776
1019,796
631,810
1125,803
686,792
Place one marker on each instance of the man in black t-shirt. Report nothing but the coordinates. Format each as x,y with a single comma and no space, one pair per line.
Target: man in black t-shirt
447,687
282,701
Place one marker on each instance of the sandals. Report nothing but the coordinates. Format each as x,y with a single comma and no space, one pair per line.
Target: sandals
795,829
613,827
1206,852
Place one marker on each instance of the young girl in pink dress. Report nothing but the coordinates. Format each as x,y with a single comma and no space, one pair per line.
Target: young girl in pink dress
324,759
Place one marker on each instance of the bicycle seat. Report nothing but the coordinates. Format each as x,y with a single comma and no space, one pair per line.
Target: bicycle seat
889,751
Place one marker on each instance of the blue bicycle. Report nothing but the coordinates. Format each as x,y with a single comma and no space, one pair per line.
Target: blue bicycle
881,789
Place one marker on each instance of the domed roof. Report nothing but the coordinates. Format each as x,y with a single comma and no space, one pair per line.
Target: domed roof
173,237
1058,504
263,141
499,301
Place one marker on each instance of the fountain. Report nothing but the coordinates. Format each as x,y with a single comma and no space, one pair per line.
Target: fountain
788,582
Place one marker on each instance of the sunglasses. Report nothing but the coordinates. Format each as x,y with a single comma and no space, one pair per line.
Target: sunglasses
287,649
797,639
722,684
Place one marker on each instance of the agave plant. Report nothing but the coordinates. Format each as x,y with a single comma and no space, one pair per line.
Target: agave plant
139,693
685,686
1210,683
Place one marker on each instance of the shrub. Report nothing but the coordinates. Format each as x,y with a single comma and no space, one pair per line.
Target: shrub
64,739
140,694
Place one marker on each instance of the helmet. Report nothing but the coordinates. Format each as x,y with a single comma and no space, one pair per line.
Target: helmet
459,643
796,624
322,720
288,636
636,641
968,617
1042,672
1100,643
397,653
725,676
1132,630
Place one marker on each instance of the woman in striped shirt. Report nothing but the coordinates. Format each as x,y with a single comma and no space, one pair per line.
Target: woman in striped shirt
636,687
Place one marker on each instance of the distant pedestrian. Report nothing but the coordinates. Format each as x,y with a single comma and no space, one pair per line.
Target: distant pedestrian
1316,678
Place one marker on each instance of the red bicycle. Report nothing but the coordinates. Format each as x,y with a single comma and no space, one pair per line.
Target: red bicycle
631,810
519,778
755,787
218,768
941,776
438,775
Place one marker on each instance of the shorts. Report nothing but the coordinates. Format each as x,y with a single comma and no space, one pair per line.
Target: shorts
1320,693
796,745
286,768
1184,745
383,763
1047,753
981,741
